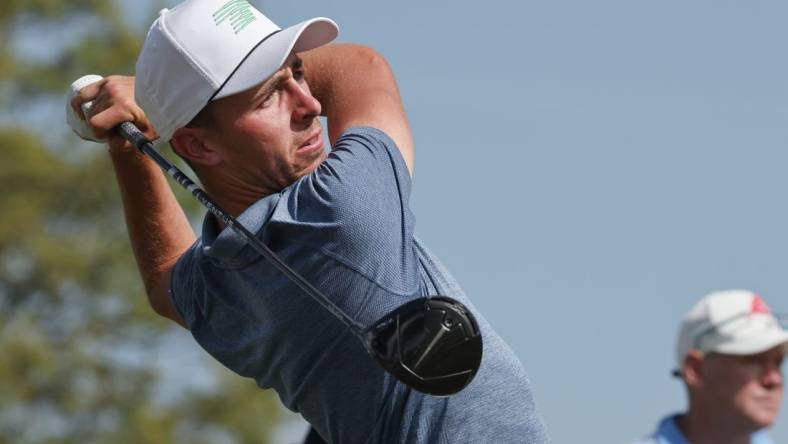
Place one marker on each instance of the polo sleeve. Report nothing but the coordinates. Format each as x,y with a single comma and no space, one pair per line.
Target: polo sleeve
358,199
186,284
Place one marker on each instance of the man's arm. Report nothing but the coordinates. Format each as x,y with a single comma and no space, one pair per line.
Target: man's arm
158,228
355,86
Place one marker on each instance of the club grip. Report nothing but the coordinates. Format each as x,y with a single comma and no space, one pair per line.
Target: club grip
78,125
130,132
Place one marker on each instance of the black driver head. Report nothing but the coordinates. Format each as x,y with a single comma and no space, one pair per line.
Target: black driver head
431,344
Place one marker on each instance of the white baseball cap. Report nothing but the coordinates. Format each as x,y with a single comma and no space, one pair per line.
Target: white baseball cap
203,50
734,322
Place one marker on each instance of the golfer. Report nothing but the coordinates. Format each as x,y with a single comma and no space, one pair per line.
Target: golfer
730,351
239,99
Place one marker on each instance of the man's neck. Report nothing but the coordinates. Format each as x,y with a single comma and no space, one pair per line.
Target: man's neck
699,427
233,200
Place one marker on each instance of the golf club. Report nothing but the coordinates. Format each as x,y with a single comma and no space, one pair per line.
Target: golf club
432,344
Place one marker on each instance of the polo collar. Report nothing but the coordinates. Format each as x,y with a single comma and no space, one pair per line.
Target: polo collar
229,248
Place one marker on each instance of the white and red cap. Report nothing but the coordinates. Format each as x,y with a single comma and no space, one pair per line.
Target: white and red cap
203,50
734,322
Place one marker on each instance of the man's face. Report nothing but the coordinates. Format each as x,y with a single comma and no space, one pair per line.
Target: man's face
270,135
750,385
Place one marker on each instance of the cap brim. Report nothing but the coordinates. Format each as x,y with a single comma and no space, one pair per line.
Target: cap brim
755,345
269,55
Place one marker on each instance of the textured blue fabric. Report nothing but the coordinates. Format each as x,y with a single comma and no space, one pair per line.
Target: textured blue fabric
348,230
668,432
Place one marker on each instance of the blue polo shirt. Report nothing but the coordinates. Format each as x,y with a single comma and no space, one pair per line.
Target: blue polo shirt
668,432
348,229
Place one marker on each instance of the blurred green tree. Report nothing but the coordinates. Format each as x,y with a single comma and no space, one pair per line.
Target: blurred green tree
78,343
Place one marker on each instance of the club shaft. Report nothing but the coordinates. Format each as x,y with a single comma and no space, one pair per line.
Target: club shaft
131,133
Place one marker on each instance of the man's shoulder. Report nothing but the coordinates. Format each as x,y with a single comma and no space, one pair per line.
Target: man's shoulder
363,186
370,132
368,145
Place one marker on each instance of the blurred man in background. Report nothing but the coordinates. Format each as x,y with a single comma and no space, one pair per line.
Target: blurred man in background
729,352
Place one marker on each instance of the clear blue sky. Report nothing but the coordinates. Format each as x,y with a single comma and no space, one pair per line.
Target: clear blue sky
587,170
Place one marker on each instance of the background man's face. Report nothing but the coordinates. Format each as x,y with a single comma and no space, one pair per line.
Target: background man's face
750,385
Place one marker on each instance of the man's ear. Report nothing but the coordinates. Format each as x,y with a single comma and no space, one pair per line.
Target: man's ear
193,145
692,370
